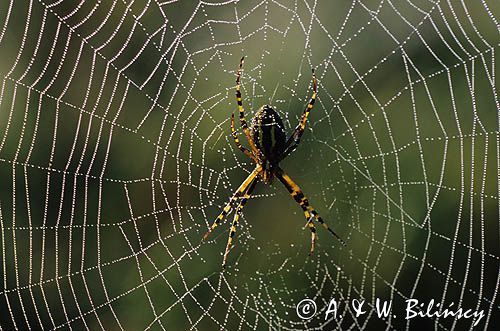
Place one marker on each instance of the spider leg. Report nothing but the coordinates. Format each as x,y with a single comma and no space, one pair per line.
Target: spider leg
314,236
309,211
241,110
237,194
237,141
236,219
294,139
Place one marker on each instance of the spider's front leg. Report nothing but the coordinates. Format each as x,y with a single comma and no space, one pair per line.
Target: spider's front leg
309,211
234,198
232,230
294,139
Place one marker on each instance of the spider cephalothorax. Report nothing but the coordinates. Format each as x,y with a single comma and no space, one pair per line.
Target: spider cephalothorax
268,146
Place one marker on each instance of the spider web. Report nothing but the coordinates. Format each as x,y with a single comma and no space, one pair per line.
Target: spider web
116,155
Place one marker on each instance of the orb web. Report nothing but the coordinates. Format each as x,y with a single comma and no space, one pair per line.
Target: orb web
116,156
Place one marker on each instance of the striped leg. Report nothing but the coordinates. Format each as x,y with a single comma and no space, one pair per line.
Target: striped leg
241,110
229,206
236,219
294,139
314,236
237,141
309,211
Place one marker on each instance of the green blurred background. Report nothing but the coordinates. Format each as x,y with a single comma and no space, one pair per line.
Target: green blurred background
116,155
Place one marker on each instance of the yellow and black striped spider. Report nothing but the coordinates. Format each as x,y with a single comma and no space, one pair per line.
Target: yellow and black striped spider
268,146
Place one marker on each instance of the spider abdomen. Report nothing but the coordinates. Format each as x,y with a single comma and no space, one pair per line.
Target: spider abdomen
268,133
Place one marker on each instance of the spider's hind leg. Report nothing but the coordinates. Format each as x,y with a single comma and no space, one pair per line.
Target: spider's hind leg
294,139
241,110
238,143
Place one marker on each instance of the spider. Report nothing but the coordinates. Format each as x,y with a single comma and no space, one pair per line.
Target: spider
268,146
